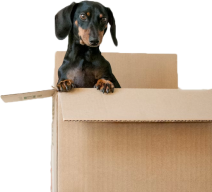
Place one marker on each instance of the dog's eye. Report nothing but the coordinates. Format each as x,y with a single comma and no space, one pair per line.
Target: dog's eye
104,20
83,17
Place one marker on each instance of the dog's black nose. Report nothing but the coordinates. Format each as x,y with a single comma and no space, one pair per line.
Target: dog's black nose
94,41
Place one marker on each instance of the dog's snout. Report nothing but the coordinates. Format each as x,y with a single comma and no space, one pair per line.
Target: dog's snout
94,41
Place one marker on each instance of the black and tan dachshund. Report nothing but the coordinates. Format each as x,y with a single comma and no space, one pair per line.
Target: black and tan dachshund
85,24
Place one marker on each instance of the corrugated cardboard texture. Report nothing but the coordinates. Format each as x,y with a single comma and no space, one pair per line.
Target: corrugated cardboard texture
138,70
134,157
54,150
28,96
137,105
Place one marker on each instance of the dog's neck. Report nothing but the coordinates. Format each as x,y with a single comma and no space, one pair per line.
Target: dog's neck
75,49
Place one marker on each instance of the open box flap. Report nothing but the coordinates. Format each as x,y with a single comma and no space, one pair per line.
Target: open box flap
137,70
27,96
137,105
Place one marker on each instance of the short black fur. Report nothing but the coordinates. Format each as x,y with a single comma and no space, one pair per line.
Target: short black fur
83,64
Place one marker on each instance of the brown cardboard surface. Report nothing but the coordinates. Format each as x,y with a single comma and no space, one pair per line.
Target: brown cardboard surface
131,156
123,157
54,146
136,70
144,70
28,96
137,105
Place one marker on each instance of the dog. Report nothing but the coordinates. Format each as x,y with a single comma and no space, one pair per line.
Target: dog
85,24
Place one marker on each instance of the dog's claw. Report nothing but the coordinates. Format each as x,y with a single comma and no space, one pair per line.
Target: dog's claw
108,88
105,85
66,86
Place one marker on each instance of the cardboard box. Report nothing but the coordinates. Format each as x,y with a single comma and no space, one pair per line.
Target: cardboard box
137,139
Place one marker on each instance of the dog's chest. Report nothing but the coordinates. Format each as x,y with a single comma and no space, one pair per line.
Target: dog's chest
85,74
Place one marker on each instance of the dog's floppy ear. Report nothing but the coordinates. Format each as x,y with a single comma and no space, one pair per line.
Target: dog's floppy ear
113,26
63,23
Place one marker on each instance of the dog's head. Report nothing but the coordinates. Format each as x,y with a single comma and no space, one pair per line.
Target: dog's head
87,21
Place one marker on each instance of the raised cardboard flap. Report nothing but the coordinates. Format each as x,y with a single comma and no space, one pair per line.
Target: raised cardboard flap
137,105
138,70
28,96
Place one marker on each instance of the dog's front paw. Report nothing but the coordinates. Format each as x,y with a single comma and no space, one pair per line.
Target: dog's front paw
104,86
65,85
